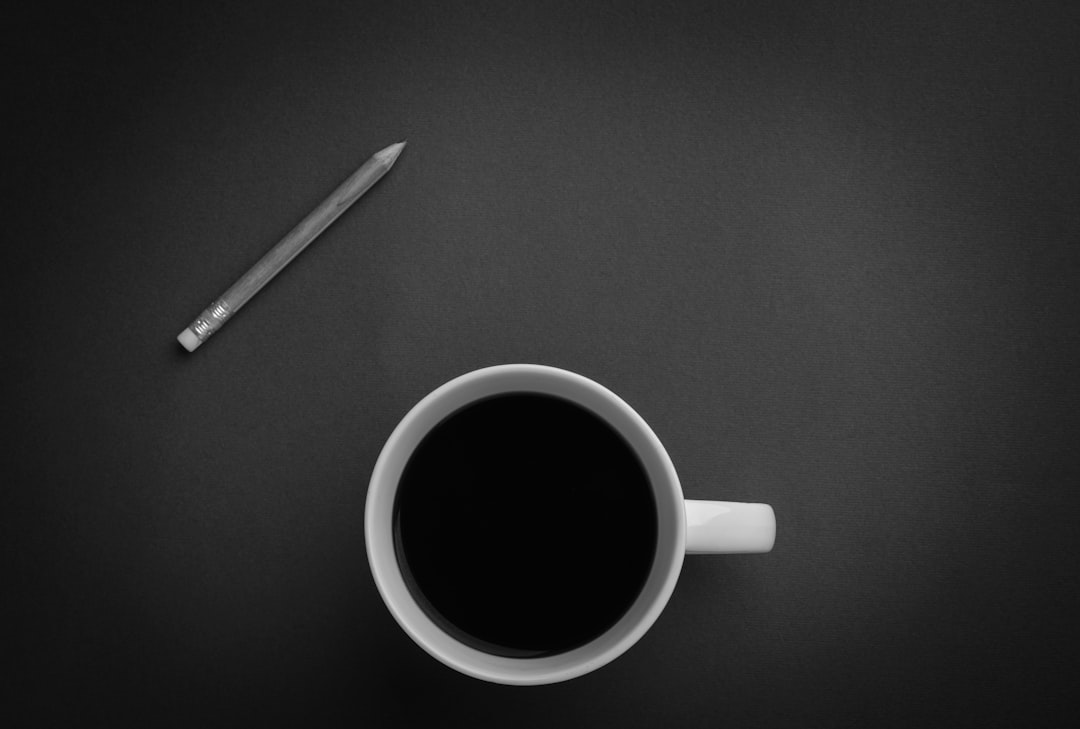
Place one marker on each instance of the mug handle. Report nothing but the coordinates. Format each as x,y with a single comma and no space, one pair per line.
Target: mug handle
729,527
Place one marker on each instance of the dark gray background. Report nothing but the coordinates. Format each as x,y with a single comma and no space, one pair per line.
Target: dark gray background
828,250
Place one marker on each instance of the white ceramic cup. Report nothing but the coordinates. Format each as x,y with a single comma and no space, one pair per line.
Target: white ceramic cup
684,526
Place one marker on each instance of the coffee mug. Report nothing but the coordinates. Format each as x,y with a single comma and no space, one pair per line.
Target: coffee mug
677,526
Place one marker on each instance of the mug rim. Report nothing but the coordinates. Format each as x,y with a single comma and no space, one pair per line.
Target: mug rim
378,525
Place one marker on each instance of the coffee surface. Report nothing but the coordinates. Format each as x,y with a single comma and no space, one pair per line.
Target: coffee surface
525,525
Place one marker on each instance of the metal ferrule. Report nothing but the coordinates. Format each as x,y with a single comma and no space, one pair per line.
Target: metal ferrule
210,320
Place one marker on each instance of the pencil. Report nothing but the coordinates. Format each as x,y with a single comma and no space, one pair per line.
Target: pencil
270,265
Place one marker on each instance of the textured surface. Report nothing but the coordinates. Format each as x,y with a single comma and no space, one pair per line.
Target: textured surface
829,251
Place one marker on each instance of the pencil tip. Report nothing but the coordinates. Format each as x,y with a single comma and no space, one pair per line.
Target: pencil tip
390,154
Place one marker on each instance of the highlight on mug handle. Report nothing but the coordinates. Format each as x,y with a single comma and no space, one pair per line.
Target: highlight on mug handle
729,527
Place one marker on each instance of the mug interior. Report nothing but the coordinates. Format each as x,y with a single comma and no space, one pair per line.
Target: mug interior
378,523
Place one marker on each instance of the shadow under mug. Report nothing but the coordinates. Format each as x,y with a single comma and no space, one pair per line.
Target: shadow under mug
684,526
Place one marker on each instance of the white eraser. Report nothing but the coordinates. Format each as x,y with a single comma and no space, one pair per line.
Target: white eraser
188,339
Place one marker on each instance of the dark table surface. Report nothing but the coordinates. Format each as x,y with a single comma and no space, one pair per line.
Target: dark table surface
830,251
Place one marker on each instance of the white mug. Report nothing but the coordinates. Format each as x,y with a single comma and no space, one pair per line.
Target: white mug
684,526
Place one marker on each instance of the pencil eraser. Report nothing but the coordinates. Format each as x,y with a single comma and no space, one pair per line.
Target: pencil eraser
188,339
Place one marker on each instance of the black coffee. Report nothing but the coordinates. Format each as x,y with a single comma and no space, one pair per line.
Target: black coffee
525,525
